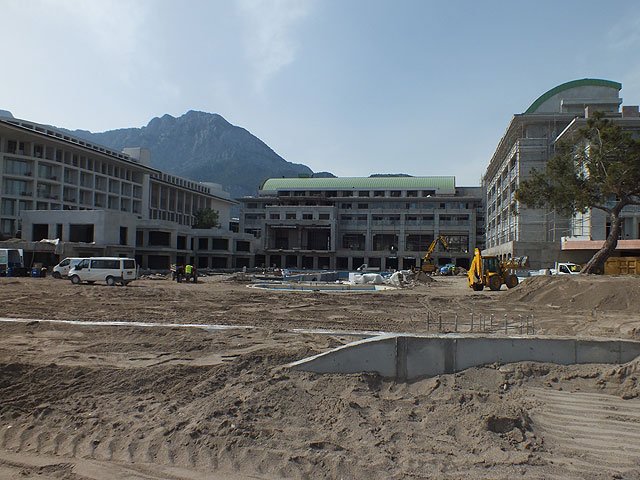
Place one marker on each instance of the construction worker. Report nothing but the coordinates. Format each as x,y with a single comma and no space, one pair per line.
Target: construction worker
194,274
179,273
188,271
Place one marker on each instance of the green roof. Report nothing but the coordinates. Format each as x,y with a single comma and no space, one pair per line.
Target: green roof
584,82
360,183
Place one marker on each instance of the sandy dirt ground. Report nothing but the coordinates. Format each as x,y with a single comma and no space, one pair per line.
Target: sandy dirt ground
97,401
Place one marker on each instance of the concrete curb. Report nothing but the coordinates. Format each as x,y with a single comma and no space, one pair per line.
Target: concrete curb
407,357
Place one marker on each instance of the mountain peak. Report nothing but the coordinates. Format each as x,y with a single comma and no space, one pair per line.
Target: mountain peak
204,147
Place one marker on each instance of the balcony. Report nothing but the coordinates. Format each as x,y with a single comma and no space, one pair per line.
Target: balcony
292,223
48,178
294,249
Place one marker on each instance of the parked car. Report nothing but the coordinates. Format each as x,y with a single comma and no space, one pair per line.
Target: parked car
61,270
111,270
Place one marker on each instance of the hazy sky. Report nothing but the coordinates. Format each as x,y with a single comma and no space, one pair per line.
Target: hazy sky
353,87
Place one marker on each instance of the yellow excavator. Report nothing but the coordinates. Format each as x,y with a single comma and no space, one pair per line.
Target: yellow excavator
427,262
490,271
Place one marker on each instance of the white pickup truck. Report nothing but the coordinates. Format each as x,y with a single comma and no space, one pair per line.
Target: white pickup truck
566,268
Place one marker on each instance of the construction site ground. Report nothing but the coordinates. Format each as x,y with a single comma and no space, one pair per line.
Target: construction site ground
97,401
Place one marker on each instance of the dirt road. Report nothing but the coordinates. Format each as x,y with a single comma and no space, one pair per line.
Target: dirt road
96,402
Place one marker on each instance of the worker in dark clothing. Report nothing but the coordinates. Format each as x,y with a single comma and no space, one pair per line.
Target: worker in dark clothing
179,273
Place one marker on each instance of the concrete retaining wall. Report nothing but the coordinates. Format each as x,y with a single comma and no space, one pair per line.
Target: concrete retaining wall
406,357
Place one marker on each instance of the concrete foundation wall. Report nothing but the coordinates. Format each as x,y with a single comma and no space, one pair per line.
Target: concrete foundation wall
408,357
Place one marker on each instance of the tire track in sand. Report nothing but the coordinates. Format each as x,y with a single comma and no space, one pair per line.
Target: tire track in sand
589,434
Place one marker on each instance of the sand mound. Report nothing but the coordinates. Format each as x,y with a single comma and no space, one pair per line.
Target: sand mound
580,292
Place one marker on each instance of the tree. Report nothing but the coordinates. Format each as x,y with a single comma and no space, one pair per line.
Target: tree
206,218
599,169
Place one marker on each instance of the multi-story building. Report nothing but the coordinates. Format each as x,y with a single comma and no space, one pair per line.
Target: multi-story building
96,201
343,223
513,229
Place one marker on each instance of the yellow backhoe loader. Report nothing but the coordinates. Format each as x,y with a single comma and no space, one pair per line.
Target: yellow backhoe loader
490,271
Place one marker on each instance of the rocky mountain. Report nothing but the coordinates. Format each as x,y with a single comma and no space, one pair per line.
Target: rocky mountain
204,147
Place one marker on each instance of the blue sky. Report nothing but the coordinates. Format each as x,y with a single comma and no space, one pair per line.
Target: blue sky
353,87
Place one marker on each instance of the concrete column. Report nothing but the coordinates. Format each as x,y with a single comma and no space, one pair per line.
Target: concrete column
333,239
368,240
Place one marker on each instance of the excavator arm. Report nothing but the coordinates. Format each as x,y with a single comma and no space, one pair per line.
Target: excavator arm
432,247
427,262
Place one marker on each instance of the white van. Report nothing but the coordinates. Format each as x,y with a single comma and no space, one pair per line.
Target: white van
111,270
62,269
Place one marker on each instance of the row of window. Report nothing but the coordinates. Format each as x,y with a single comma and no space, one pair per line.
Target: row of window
359,193
413,243
87,180
56,154
460,219
180,201
427,205
185,219
163,239
180,182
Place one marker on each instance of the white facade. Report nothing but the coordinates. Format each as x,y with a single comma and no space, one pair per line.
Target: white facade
529,141
343,223
56,186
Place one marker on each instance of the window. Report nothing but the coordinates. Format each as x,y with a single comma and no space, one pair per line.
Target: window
324,216
106,264
274,216
385,242
353,241
307,216
17,187
8,207
129,264
418,243
219,244
160,239
242,246
256,232
290,216
203,244
17,167
458,243
363,193
363,206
